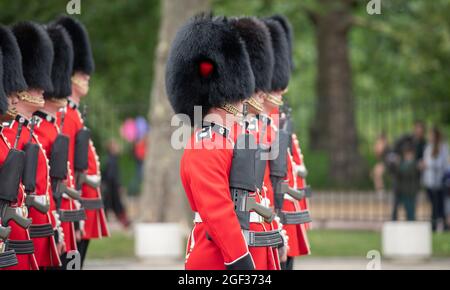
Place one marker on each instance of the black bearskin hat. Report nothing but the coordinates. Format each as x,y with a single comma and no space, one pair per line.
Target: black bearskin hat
3,100
62,63
282,69
13,79
83,58
289,34
208,66
258,43
37,54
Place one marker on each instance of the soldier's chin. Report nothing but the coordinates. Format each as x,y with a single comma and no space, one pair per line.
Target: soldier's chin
82,91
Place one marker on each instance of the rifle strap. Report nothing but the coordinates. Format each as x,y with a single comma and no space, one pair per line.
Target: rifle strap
21,247
8,259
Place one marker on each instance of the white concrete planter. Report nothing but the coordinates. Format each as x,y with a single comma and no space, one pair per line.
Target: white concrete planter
158,240
407,240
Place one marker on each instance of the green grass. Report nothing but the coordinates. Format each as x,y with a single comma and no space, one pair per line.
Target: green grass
348,243
441,245
343,243
119,245
324,243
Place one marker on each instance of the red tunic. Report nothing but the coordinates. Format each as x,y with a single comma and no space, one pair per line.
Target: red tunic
298,242
301,182
266,131
47,131
45,248
95,225
27,261
218,239
265,258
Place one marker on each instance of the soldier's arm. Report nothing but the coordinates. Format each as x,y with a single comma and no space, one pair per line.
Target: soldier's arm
210,187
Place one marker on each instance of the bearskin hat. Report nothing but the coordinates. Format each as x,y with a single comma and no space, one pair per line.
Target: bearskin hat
258,43
83,57
281,70
13,79
62,63
37,54
208,66
3,100
289,34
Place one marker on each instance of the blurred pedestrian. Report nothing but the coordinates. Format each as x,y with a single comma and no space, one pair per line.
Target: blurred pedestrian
111,184
407,184
381,149
417,138
446,186
435,164
139,153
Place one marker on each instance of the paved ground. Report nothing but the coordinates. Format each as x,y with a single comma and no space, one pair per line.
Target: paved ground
301,264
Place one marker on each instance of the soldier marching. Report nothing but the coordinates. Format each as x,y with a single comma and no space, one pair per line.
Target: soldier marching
50,196
242,170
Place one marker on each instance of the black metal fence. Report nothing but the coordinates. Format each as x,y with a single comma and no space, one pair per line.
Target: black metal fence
361,206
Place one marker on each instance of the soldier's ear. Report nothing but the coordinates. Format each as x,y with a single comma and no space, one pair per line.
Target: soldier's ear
14,99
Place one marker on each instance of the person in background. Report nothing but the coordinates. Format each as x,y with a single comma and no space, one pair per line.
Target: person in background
139,153
446,186
381,149
407,184
111,184
435,163
417,138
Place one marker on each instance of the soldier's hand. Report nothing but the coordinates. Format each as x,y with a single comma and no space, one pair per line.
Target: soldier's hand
61,247
78,235
282,252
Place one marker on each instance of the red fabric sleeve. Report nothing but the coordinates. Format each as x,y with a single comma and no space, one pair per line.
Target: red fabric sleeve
207,173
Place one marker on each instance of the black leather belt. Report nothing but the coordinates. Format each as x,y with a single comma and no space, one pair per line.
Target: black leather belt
263,239
295,218
92,203
21,247
41,231
72,215
8,259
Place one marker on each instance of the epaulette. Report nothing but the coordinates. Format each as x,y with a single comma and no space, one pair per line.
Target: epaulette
20,119
44,116
207,131
252,124
72,104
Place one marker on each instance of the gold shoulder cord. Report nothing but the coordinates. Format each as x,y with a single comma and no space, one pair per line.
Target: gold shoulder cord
10,114
274,100
232,110
26,97
252,102
60,102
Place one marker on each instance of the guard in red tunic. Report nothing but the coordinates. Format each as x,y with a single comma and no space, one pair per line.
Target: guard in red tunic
37,55
84,160
13,215
299,168
209,67
257,41
55,144
287,197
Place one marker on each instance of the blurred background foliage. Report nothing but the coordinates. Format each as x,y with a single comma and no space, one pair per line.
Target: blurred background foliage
400,59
